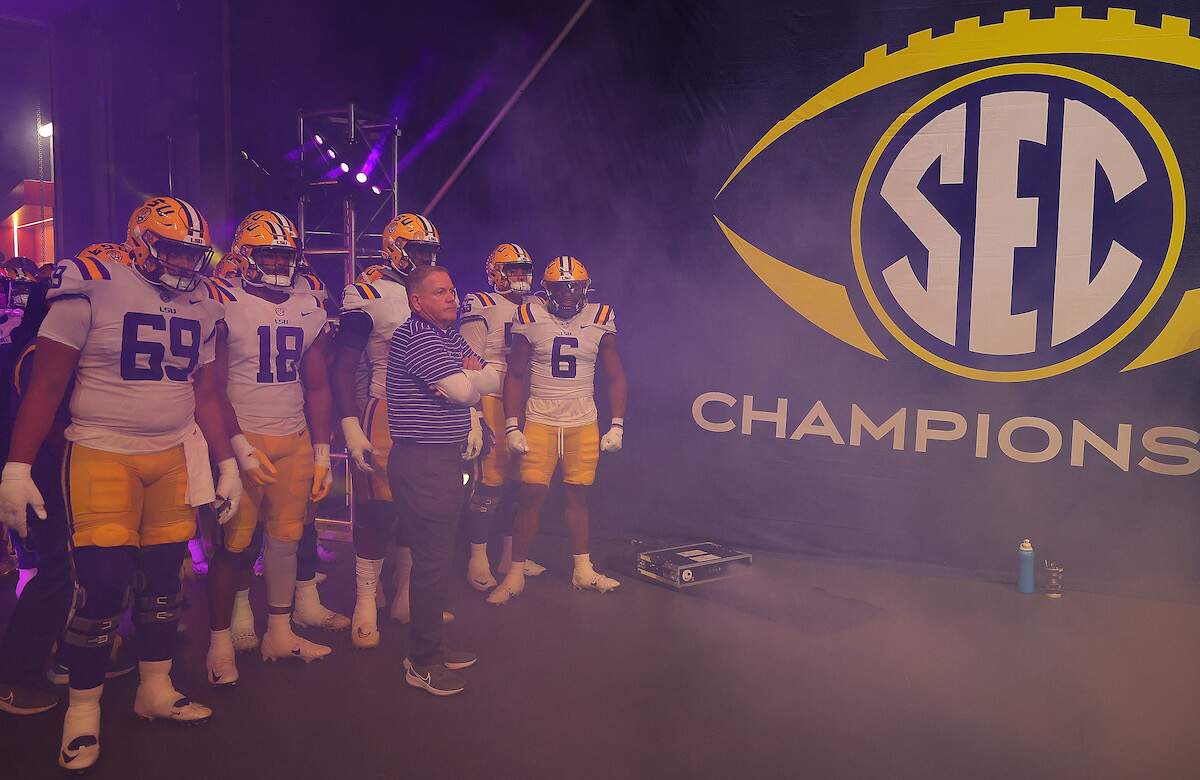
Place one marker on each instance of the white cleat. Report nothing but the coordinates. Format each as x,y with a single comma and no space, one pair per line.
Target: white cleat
244,638
169,704
222,669
479,574
533,568
277,645
509,589
80,748
322,617
590,579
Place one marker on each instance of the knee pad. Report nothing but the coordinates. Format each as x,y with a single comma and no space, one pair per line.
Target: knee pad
157,583
486,500
103,595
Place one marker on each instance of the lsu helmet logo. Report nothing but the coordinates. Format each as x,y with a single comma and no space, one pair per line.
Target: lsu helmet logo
1019,220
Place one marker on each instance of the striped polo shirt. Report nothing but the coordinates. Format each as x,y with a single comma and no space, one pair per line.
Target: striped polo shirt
420,355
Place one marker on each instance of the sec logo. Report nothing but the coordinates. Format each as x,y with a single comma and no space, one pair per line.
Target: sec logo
1018,222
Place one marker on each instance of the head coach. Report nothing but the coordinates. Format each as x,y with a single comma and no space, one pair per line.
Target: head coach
433,381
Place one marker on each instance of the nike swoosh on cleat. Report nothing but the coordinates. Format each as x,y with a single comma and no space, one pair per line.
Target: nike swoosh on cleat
216,677
68,759
296,651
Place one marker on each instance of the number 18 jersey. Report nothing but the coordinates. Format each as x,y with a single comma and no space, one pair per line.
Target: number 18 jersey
562,366
266,344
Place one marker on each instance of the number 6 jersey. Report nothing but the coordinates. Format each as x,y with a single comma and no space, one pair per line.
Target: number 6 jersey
266,344
139,345
562,365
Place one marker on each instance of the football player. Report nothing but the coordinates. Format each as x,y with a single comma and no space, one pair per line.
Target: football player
485,321
140,341
275,358
372,308
556,346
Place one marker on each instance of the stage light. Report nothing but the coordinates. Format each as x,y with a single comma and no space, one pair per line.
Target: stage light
245,155
361,177
317,137
375,189
332,154
345,167
46,130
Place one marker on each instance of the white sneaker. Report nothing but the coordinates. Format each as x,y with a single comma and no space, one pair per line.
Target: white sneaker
281,644
532,567
590,579
80,748
169,704
222,668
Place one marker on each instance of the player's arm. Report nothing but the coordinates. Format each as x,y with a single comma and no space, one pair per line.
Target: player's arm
516,392
52,372
354,329
618,391
318,408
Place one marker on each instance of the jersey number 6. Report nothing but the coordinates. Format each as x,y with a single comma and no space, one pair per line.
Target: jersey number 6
562,365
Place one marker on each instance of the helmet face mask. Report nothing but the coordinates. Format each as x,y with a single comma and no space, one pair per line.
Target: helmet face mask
270,266
420,253
172,264
566,299
518,276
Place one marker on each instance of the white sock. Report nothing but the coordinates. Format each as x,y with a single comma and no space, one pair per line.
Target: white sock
243,616
307,597
583,562
155,676
83,714
220,643
23,578
366,576
279,623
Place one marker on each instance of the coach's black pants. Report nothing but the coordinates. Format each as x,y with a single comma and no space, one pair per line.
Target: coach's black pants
41,612
427,486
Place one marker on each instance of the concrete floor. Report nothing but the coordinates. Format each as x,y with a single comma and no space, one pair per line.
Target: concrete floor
804,668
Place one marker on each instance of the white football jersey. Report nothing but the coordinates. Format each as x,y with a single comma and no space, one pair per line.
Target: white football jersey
267,341
133,383
385,300
496,313
562,367
311,284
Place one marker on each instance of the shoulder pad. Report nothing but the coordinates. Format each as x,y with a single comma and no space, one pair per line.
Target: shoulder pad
77,276
314,285
219,290
526,314
359,295
602,315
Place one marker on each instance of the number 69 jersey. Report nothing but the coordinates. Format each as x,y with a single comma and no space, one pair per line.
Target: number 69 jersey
562,366
266,344
139,346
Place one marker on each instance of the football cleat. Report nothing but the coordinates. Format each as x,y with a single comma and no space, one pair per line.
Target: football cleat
277,645
587,578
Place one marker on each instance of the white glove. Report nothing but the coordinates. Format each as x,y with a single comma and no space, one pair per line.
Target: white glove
358,444
10,320
514,437
229,490
611,441
474,438
254,462
322,473
18,491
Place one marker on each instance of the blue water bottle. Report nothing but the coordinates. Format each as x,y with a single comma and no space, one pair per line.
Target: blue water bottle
1025,567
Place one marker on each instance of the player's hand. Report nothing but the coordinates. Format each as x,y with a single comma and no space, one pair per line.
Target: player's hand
514,437
229,490
357,444
611,441
472,363
474,438
17,491
322,473
254,462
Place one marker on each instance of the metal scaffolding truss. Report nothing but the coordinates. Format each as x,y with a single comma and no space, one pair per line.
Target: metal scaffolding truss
339,218
330,212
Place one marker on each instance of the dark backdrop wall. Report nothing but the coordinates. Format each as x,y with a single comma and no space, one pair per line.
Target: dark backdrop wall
1078,431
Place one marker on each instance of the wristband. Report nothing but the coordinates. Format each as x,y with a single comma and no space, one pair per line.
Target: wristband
321,453
510,425
618,422
228,466
17,470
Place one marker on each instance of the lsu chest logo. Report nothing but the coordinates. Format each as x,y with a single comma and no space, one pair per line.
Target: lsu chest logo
1019,220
